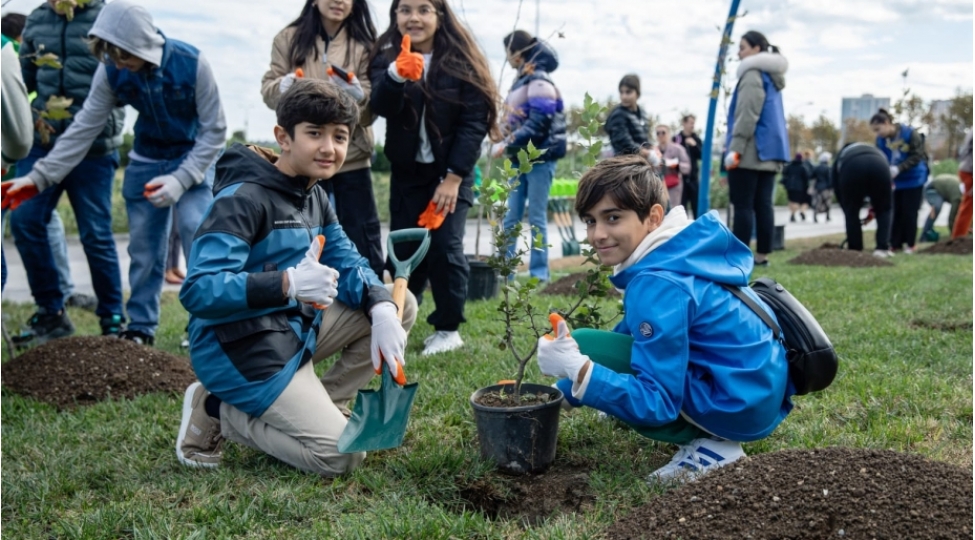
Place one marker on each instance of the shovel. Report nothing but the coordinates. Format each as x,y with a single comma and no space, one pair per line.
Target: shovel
379,418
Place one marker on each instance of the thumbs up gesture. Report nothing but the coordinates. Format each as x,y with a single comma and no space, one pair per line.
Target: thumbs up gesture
409,65
312,282
558,355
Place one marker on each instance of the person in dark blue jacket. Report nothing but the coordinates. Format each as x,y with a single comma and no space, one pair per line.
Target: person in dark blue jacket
535,113
904,148
702,370
265,307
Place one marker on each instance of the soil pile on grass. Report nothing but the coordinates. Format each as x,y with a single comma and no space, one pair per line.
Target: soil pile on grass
958,246
832,255
84,370
566,286
530,499
814,494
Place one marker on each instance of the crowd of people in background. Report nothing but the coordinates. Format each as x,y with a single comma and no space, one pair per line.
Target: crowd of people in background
440,104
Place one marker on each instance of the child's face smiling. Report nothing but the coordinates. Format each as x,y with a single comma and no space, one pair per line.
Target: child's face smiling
317,152
615,233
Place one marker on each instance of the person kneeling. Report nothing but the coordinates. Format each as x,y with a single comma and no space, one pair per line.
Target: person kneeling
694,366
265,307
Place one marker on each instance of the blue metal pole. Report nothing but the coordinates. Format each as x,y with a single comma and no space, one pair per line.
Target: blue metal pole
704,195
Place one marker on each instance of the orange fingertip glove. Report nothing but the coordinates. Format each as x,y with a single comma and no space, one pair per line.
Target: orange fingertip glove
430,219
554,319
409,64
12,199
300,73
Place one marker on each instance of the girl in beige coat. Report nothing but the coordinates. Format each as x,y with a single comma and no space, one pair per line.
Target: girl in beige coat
329,40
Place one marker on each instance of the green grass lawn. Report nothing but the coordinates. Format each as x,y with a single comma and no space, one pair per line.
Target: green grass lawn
109,470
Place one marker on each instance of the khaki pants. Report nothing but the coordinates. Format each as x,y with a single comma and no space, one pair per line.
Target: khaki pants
302,427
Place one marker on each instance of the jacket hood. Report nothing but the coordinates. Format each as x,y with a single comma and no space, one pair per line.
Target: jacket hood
129,27
772,63
255,165
544,57
705,248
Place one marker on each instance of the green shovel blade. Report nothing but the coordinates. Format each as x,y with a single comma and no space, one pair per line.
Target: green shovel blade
379,417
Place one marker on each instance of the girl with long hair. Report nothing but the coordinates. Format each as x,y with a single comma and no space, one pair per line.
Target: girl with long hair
331,39
433,85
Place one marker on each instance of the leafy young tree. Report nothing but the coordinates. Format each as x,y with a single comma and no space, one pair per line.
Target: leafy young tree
955,120
858,131
825,134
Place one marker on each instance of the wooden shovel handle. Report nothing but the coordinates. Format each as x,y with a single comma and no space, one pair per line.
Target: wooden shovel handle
399,295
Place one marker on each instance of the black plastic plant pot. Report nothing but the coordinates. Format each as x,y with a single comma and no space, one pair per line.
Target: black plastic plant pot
483,281
519,439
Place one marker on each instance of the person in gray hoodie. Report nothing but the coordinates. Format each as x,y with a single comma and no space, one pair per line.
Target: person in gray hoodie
179,135
757,143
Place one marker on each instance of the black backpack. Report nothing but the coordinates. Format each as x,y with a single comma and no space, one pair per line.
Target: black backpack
812,359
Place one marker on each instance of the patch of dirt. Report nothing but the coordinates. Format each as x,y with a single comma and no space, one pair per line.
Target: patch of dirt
530,499
830,254
566,286
814,494
506,399
958,246
84,370
943,326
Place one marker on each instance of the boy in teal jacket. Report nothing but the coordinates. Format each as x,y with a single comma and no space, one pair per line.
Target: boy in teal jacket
698,368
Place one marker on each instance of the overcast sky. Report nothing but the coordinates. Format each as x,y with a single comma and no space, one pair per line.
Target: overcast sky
836,48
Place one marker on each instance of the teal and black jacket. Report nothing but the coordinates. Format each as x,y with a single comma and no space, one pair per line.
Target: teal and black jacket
247,338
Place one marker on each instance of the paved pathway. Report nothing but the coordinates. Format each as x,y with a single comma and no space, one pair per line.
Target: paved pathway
18,291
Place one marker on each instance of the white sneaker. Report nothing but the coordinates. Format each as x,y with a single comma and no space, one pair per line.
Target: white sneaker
882,254
697,458
908,250
442,341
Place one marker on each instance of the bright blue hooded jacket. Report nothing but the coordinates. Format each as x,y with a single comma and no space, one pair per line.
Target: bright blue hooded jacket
247,339
698,350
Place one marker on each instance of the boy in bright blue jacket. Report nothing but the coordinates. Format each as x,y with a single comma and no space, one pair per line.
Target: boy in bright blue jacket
274,287
702,370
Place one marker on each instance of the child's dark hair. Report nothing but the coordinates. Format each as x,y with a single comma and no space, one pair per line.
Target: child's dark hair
631,81
881,117
308,27
629,180
519,43
758,39
317,102
12,25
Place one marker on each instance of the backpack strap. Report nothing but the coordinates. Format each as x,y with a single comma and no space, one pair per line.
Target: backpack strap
776,331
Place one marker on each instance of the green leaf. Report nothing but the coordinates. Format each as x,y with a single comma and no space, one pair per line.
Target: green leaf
48,60
585,133
56,114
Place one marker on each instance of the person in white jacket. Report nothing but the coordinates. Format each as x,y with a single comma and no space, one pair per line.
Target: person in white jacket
17,125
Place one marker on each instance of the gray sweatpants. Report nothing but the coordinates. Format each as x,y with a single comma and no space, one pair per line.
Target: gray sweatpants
302,427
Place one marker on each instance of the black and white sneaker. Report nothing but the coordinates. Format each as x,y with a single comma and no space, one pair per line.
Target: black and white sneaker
141,338
43,327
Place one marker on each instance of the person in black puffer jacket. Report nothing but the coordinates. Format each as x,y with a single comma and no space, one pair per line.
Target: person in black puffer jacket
795,180
433,85
89,184
535,113
627,125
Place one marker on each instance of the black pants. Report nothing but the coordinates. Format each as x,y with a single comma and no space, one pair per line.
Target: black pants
860,177
750,192
355,206
907,203
688,197
445,265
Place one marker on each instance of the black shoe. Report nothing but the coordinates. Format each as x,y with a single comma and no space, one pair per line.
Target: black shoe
112,325
43,327
792,218
802,215
83,301
763,263
139,337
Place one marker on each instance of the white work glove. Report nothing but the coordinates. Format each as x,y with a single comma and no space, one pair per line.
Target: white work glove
560,357
497,150
351,86
654,157
312,282
731,160
671,162
286,82
894,171
164,191
388,341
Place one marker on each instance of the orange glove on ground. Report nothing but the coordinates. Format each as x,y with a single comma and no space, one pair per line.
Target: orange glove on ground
409,64
430,219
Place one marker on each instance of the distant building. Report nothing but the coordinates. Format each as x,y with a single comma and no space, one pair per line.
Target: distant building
937,135
862,108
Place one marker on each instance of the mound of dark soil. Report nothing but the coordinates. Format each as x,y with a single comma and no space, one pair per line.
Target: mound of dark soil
566,286
814,494
832,255
83,370
530,499
958,246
